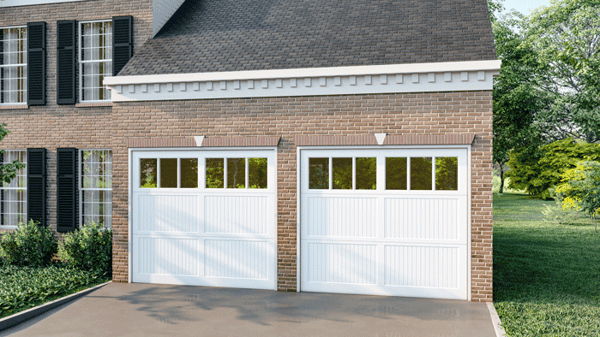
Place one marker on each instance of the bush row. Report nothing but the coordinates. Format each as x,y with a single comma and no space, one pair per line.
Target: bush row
89,248
26,287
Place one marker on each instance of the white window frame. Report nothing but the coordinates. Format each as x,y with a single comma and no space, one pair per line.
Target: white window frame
24,65
24,175
82,63
82,189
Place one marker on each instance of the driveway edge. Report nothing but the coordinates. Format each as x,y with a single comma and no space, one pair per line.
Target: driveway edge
500,332
20,317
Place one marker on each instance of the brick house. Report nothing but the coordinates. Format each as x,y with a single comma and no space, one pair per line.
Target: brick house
331,146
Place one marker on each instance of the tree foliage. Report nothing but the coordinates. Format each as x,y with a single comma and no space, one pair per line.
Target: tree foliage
580,189
566,39
517,99
539,171
8,171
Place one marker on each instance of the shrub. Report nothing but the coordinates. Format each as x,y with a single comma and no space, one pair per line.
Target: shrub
88,248
538,172
26,287
29,245
580,188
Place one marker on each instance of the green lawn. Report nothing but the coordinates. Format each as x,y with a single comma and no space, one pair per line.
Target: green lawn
22,288
546,276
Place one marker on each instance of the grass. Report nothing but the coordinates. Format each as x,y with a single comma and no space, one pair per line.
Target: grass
22,288
546,276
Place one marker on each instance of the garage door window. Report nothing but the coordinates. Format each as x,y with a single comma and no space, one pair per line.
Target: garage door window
395,173
239,173
421,179
366,173
189,172
347,173
174,172
446,173
148,173
420,173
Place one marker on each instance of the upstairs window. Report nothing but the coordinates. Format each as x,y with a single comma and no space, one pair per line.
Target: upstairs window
13,65
95,60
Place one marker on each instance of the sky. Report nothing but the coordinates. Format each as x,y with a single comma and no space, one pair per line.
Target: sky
525,6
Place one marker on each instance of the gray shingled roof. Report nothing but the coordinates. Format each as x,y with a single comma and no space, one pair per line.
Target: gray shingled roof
232,35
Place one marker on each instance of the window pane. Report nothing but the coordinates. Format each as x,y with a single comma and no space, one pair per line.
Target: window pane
189,173
97,207
366,173
342,173
148,173
395,173
21,179
318,172
446,173
14,207
420,173
96,60
215,173
257,169
236,172
168,173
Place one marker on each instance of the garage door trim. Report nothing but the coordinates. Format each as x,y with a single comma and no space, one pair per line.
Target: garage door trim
130,176
299,174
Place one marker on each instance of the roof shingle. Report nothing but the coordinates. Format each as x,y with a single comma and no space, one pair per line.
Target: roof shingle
236,35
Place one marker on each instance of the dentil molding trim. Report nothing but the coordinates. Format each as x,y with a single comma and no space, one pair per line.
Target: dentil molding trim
402,78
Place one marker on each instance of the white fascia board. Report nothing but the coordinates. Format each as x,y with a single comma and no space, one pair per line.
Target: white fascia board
439,67
15,3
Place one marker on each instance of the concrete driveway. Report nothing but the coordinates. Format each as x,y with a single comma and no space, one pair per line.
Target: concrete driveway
159,310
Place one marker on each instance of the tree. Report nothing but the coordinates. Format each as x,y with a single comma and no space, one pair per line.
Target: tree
566,38
581,189
8,171
517,99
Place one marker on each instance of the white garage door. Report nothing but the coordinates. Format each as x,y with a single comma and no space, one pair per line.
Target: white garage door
204,218
385,222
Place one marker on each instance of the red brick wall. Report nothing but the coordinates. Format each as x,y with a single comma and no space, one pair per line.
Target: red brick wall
53,125
429,113
395,114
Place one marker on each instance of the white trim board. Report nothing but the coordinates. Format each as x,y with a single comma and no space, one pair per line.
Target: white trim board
402,78
15,3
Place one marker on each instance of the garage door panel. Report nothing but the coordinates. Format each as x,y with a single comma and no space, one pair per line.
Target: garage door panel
341,217
237,214
424,218
422,266
342,263
168,256
167,213
241,259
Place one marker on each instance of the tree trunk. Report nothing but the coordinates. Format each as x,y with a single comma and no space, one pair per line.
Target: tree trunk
501,179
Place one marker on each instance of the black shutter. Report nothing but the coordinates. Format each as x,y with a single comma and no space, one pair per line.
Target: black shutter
65,64
1,63
36,63
122,42
67,191
36,185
